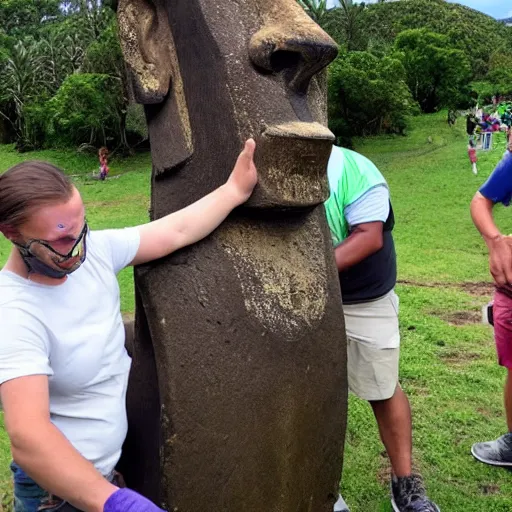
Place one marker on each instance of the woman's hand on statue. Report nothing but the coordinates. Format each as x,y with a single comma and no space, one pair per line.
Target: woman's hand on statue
126,500
244,176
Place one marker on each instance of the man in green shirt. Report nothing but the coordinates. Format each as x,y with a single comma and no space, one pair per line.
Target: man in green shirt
361,220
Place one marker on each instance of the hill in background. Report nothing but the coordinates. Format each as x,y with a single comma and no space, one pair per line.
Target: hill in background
479,35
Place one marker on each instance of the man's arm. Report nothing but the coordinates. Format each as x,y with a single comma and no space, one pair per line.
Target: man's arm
189,225
500,253
43,452
365,239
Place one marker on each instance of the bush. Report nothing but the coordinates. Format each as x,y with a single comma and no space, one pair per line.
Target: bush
86,109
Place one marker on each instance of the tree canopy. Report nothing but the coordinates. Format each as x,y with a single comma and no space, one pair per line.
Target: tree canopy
450,55
395,59
52,53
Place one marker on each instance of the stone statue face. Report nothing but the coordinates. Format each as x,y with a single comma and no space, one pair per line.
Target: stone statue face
213,73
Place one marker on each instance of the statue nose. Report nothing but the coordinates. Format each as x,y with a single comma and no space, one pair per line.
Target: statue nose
297,52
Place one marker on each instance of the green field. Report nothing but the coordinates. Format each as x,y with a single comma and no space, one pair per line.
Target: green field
448,365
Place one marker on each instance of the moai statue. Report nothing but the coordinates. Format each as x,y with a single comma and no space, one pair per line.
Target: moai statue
237,397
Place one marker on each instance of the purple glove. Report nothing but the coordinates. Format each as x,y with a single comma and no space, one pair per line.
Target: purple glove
125,500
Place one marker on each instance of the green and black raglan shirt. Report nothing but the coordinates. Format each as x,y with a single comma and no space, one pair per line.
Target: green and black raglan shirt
360,194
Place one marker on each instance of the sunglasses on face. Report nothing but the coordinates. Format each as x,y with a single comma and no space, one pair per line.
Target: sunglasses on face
75,251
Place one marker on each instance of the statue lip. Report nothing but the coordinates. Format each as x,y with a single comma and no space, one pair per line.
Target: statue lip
292,159
299,130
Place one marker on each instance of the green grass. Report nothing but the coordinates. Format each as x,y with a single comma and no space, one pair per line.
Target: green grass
449,371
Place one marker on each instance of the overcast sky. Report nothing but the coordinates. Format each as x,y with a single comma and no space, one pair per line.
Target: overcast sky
497,8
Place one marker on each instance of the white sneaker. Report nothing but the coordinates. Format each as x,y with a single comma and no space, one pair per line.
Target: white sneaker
340,505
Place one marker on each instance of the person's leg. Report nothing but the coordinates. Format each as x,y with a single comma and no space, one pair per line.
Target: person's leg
499,451
373,338
508,398
27,494
372,357
29,497
394,420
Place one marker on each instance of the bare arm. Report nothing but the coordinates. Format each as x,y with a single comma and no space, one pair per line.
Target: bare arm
365,240
500,253
43,452
189,225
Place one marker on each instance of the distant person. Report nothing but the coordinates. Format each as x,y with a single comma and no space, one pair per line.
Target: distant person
103,156
471,124
498,189
361,221
472,156
452,118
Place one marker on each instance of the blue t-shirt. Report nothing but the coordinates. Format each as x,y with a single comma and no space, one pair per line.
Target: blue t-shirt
498,187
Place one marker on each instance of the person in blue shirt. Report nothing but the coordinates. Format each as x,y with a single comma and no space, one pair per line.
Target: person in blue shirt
498,189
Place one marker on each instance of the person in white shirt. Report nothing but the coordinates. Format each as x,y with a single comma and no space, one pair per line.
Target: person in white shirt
63,364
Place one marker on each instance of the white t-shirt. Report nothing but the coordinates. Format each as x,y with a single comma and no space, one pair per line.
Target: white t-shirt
74,333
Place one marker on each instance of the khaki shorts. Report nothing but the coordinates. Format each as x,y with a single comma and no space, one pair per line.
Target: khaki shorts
373,347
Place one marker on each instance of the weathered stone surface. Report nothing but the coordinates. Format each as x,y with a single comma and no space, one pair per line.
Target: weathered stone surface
237,397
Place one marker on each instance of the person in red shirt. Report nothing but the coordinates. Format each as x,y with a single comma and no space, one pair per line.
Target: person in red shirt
103,156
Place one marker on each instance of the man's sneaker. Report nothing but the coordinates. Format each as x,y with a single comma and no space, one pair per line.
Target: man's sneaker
340,505
496,453
408,495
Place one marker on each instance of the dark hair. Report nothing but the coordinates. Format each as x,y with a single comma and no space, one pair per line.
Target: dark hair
28,186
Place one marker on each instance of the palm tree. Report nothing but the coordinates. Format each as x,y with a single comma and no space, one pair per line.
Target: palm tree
317,9
345,24
21,80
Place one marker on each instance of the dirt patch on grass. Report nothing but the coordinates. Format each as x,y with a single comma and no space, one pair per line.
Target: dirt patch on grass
481,289
414,386
477,289
459,357
489,413
458,318
462,317
489,488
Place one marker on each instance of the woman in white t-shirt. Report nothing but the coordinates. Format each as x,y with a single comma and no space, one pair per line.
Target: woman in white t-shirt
63,365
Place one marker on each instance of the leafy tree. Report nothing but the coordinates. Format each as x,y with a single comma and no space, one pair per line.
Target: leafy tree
368,95
436,72
48,42
477,34
20,18
497,83
105,56
85,109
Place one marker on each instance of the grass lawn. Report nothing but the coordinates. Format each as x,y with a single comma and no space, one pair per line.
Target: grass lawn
448,365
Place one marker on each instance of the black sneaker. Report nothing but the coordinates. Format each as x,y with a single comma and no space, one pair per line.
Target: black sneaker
340,505
408,495
496,453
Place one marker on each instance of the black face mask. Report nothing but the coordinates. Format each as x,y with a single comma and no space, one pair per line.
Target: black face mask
35,252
